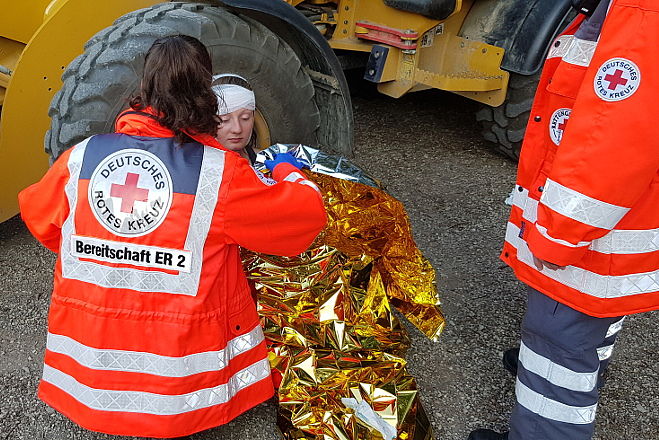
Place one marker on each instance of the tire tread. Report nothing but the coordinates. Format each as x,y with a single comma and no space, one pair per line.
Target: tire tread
504,126
113,57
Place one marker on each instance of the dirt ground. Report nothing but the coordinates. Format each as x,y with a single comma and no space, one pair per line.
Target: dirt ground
427,151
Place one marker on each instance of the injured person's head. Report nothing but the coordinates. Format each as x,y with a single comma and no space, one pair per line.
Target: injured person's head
236,107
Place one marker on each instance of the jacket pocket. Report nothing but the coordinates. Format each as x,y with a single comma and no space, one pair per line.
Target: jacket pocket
566,80
243,317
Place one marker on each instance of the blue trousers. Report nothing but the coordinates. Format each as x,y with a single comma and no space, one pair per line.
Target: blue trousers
562,356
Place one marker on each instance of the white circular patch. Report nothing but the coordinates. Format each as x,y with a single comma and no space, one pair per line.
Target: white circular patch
130,192
617,79
557,124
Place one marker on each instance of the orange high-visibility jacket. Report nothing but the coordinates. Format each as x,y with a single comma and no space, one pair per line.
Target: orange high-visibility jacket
152,330
587,194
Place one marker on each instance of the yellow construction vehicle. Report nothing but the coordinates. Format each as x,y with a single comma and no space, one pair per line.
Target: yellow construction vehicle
68,67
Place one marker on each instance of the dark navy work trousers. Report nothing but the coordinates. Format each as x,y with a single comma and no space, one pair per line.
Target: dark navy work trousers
562,355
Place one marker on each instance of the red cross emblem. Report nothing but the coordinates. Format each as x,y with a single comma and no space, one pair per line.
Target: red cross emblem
563,124
615,80
129,193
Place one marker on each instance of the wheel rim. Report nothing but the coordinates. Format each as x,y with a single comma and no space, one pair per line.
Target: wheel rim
262,131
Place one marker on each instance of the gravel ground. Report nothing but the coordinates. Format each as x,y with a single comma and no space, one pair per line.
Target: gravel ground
426,149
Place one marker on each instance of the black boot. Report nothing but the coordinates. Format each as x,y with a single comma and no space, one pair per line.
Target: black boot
487,434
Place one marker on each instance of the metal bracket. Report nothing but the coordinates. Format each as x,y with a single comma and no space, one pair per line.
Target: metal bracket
402,39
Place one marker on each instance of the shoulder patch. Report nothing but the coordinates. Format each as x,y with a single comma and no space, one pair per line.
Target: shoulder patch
558,123
617,79
130,192
267,180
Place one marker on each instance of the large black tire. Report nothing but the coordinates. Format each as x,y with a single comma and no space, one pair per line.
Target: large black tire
505,125
98,83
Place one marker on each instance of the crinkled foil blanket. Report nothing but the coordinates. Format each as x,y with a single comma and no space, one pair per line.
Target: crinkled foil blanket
337,349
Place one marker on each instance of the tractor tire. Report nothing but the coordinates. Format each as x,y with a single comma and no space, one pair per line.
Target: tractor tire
505,125
99,83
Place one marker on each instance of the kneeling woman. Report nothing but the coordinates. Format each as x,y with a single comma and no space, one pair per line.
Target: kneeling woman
152,331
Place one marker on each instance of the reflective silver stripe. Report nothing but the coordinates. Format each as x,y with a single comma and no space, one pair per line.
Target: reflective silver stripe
553,410
573,50
620,241
309,183
158,404
71,190
528,205
617,241
555,373
604,353
210,179
560,46
149,363
580,207
543,231
301,179
615,327
293,177
590,283
580,52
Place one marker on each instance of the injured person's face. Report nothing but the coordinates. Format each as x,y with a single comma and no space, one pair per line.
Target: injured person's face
235,129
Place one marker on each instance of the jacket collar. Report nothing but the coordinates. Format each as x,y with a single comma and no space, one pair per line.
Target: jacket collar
145,123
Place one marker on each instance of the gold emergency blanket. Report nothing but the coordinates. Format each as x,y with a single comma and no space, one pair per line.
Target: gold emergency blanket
335,344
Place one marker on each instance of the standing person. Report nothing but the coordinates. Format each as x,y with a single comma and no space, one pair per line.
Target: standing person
152,330
583,234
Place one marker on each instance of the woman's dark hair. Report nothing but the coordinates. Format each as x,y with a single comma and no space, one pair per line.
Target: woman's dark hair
176,83
252,146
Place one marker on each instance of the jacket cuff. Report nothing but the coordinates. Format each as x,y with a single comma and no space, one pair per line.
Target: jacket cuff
553,252
282,170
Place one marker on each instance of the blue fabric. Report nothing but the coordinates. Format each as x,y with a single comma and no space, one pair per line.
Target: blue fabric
566,337
182,161
591,28
283,158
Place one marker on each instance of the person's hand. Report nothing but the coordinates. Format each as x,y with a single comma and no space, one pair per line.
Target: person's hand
283,158
541,264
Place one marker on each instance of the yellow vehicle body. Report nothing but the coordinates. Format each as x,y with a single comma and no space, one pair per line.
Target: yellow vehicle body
441,59
38,39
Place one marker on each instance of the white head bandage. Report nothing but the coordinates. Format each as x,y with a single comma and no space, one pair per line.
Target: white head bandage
232,97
